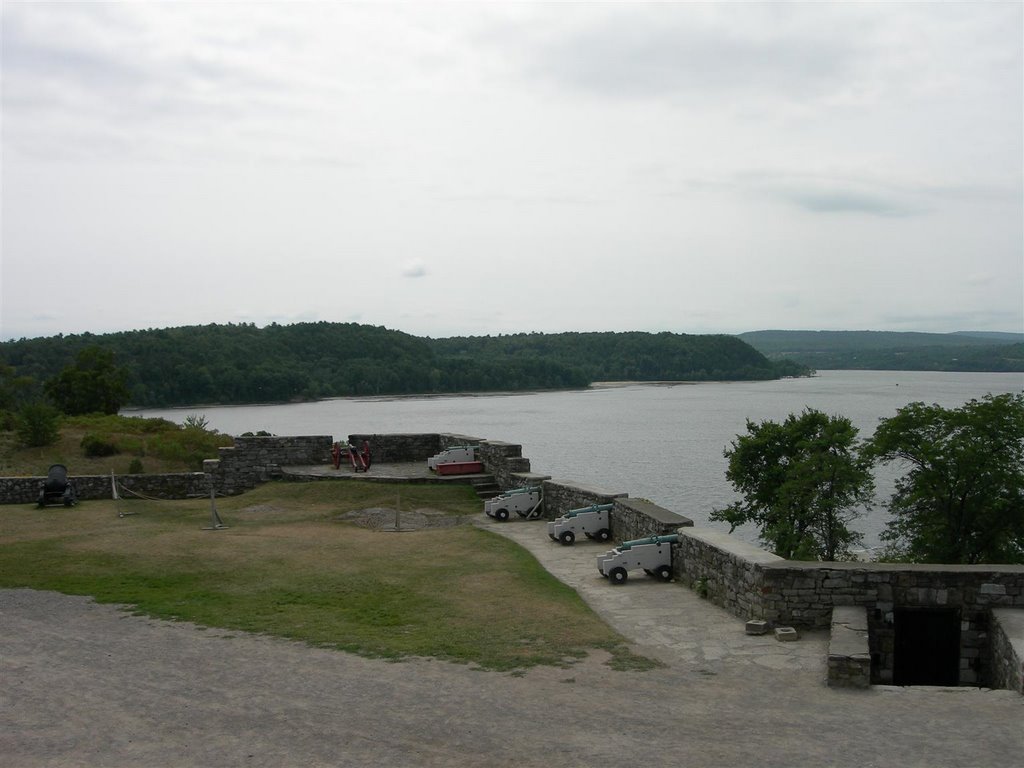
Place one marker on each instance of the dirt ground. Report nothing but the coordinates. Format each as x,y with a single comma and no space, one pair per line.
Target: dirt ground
83,684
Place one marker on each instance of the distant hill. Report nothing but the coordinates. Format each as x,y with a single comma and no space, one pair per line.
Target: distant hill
306,361
891,350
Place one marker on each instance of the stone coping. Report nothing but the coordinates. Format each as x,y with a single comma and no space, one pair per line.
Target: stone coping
849,653
849,631
589,489
857,565
530,478
733,546
655,512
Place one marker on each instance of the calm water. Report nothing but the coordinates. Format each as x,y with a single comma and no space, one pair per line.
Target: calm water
663,443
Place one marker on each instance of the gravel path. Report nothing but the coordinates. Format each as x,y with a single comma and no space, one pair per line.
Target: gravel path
83,684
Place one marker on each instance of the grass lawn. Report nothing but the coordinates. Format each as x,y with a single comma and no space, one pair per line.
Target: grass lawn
287,566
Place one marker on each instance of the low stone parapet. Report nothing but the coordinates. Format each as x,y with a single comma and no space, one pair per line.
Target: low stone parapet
173,485
849,655
639,518
565,495
723,569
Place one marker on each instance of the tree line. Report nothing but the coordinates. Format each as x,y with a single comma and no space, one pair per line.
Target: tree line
892,351
241,363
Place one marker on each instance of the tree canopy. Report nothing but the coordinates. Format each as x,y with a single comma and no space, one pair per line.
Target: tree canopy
801,482
962,499
93,384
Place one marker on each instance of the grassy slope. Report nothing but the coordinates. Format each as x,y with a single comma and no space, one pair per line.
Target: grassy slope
287,567
160,445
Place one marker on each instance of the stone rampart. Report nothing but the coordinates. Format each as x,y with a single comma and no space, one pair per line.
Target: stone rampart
723,569
404,447
752,583
178,485
639,518
561,496
253,460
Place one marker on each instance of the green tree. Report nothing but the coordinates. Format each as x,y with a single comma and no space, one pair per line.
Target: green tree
93,384
37,424
15,391
962,500
801,483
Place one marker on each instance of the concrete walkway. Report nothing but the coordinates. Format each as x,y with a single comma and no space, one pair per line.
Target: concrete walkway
667,621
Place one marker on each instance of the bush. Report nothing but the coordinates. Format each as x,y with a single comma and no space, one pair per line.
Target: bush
94,446
135,468
37,424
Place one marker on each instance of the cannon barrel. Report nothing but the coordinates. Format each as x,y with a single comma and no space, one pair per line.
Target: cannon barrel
591,508
527,489
670,538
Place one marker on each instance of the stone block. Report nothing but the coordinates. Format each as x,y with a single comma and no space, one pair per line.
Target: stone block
786,634
757,627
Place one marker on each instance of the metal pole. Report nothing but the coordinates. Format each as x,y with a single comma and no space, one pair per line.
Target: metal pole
215,521
117,497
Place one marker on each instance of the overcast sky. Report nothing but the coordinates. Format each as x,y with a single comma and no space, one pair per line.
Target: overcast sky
482,168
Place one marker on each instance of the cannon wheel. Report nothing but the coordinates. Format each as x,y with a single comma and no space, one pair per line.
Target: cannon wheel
567,538
603,535
502,514
664,573
618,576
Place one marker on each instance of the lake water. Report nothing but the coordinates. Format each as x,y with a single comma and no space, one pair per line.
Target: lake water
659,442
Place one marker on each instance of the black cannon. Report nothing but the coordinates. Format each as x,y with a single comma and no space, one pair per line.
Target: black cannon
57,489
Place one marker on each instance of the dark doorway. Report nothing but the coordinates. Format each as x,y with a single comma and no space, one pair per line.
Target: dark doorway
927,647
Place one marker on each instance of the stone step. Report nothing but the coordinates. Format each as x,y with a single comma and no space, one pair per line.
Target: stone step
485,486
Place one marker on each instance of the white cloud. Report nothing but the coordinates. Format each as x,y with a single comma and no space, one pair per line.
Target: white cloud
414,268
677,166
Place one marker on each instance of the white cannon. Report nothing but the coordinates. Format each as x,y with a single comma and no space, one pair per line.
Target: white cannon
653,554
591,521
457,454
525,502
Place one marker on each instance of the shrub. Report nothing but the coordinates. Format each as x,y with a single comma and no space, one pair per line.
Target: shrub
94,446
135,468
37,424
195,421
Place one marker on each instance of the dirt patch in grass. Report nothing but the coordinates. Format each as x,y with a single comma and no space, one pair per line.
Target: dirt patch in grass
384,519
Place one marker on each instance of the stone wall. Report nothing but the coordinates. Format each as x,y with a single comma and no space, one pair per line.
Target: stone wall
562,496
1007,649
178,485
503,461
722,568
639,518
255,460
629,518
506,463
752,583
400,447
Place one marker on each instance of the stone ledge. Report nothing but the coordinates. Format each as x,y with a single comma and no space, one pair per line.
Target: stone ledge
1008,648
849,658
657,513
732,546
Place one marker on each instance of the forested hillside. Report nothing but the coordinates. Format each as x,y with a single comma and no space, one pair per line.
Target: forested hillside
280,363
883,350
